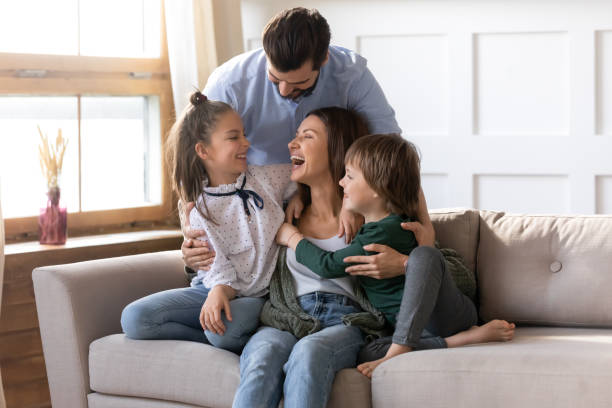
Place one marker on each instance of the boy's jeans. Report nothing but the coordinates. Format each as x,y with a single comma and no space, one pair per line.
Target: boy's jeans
175,315
274,362
432,307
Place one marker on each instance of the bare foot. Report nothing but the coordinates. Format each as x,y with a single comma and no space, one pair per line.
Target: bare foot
495,330
395,350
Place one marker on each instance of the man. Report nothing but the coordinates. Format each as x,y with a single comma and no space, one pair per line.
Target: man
274,88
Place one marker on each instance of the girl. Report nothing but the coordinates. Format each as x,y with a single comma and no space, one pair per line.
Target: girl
382,183
239,208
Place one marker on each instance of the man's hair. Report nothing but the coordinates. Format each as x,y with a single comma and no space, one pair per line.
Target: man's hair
391,167
296,36
343,127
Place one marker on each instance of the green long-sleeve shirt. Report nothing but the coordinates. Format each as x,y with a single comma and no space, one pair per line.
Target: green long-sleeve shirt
384,294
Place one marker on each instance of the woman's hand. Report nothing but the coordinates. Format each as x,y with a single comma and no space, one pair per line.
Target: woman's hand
350,223
288,235
294,208
197,254
218,299
424,233
423,230
388,263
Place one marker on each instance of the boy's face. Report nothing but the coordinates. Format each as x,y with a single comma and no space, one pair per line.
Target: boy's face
358,195
293,84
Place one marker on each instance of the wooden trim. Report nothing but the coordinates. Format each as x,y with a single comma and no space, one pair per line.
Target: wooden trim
79,221
83,86
77,63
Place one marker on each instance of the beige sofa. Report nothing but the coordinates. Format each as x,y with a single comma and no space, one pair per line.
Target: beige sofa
552,275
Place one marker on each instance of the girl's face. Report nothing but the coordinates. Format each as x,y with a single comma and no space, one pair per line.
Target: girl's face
309,151
358,195
225,156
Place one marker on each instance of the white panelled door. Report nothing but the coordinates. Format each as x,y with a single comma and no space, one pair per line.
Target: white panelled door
509,102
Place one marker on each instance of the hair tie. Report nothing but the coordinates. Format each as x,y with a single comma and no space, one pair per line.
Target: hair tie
198,98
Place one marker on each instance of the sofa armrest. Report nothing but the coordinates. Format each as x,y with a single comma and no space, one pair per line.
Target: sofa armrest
78,303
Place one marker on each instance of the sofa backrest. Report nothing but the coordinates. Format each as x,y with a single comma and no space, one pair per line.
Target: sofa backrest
545,270
458,229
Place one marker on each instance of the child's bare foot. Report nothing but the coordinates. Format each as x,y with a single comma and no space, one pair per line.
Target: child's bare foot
495,330
395,350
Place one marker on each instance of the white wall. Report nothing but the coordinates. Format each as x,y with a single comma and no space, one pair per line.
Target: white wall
510,102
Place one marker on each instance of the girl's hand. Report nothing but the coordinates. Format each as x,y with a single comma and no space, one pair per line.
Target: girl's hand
388,263
350,223
217,300
284,234
197,254
294,208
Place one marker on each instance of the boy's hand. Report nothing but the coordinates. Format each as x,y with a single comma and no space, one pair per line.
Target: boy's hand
196,253
217,300
285,233
294,208
388,263
350,223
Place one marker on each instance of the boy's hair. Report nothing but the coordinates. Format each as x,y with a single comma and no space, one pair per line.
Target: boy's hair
295,36
195,125
343,127
391,166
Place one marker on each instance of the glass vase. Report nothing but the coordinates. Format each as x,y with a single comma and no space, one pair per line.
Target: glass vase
52,220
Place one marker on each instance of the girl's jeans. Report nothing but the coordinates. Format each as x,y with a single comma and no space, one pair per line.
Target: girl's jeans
275,362
175,315
432,307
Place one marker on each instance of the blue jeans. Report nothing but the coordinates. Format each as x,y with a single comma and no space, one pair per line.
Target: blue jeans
175,315
275,362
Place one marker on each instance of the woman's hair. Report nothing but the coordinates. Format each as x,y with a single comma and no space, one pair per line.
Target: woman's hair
391,166
296,36
195,125
343,128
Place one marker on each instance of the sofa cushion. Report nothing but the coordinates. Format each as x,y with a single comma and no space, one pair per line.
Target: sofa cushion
458,229
181,371
187,372
541,367
546,270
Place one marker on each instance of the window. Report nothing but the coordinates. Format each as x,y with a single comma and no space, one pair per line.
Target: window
99,71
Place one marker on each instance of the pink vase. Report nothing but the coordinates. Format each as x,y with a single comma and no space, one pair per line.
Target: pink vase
52,220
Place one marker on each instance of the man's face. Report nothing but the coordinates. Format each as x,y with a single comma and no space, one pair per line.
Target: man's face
292,84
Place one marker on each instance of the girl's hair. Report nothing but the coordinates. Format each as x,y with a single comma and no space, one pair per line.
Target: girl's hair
343,128
391,167
195,125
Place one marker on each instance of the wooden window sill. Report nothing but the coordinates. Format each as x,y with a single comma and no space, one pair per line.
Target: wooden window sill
93,241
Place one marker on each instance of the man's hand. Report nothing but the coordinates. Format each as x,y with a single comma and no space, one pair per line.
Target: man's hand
349,224
388,263
218,299
197,254
294,208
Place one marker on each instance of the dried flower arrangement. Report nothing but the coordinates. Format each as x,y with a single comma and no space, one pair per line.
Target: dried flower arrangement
52,221
52,157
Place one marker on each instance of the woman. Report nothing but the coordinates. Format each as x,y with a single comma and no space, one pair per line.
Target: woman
276,362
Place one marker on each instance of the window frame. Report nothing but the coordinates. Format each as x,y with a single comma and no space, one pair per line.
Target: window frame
96,76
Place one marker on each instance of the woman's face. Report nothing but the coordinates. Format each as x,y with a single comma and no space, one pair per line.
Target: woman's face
309,151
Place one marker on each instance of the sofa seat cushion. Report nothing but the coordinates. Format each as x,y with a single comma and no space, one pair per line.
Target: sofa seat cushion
541,367
181,371
188,373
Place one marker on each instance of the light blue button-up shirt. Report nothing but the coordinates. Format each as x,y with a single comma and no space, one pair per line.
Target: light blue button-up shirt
270,121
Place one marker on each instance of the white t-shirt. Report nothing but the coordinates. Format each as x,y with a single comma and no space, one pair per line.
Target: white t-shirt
306,281
244,245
